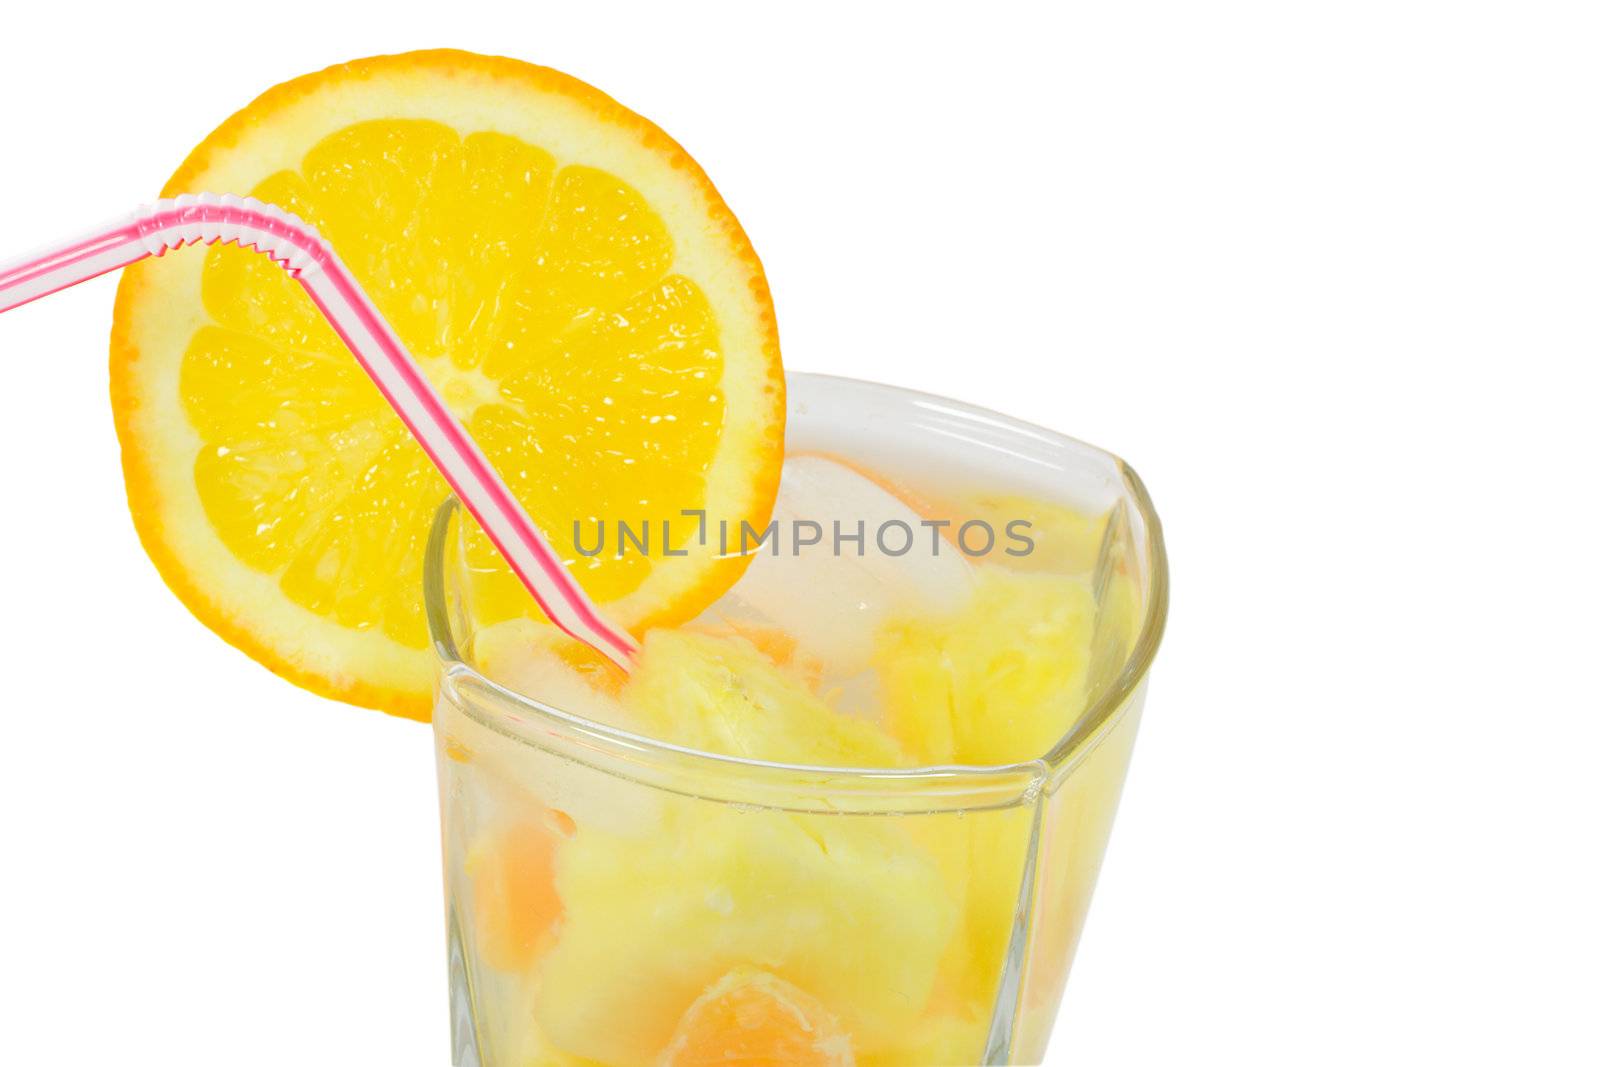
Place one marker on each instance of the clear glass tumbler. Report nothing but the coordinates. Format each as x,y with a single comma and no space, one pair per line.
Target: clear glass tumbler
929,914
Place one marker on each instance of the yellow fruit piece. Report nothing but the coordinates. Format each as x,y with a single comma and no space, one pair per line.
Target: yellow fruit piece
1077,825
569,280
723,695
981,856
779,646
939,1041
754,1019
999,681
848,909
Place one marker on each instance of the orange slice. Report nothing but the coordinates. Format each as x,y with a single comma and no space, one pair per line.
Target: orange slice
514,899
756,1019
570,281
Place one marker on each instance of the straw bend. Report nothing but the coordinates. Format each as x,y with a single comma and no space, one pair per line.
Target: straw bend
206,218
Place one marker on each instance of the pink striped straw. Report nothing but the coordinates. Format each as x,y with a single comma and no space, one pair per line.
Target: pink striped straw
297,248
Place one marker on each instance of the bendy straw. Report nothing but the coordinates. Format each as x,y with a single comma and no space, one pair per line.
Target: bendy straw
296,247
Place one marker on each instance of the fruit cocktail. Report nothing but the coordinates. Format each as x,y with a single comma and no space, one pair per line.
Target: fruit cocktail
853,813
779,721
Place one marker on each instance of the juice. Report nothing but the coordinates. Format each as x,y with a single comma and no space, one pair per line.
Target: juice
853,812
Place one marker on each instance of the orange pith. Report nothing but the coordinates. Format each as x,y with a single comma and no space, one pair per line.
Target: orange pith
565,275
755,1019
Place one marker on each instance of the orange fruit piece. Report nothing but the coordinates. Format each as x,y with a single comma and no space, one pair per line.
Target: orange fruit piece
755,1019
777,645
566,276
514,898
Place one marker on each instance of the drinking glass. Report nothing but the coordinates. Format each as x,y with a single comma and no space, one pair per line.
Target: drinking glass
938,907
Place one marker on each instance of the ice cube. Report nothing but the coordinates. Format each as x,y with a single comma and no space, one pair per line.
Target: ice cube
832,595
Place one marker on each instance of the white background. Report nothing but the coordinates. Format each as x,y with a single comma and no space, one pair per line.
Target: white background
1326,274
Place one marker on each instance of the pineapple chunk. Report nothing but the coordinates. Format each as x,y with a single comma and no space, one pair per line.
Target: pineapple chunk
848,909
722,695
999,681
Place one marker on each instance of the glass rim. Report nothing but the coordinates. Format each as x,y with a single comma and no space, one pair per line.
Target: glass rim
971,786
